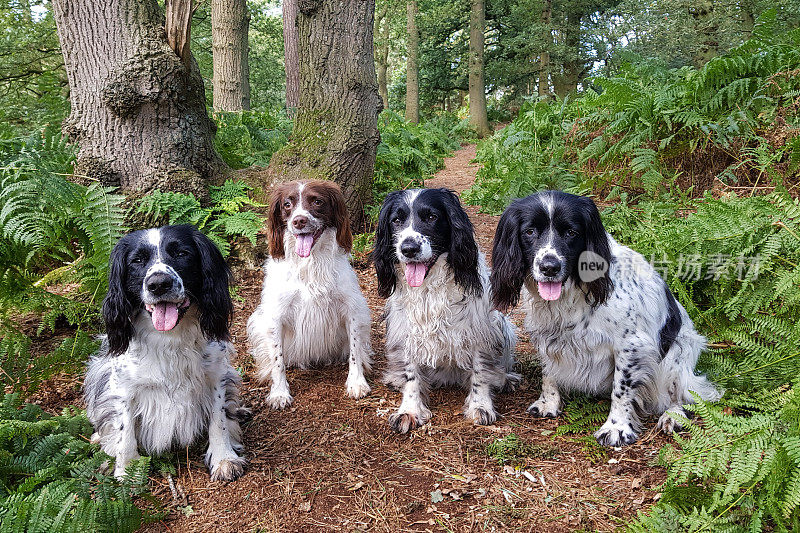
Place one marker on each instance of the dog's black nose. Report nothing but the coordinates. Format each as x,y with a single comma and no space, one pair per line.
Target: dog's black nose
159,283
299,221
550,266
410,248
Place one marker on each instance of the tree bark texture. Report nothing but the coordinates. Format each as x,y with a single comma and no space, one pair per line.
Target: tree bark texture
291,57
382,54
477,88
335,133
544,56
412,63
137,113
707,27
230,22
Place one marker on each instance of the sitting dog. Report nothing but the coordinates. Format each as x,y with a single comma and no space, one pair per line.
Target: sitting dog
602,320
312,310
440,328
163,375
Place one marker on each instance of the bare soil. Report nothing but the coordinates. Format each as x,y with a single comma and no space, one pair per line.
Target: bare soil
332,463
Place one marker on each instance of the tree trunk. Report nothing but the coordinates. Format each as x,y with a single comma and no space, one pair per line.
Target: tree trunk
477,88
707,27
291,57
230,22
138,110
412,63
572,62
544,56
382,57
335,132
748,18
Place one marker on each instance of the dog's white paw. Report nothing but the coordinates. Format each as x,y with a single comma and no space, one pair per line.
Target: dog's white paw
543,409
358,388
279,400
403,422
616,434
669,425
228,468
120,465
482,415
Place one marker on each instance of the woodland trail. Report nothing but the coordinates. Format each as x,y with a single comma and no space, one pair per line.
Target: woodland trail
332,463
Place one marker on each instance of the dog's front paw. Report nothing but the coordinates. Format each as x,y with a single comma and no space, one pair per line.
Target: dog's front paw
358,388
405,422
279,400
482,416
228,469
120,465
669,425
543,409
615,434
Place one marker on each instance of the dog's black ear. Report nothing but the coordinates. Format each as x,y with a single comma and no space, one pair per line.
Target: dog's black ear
597,242
117,308
216,307
463,253
383,255
509,265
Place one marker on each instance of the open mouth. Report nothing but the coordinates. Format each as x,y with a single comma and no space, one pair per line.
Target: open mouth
416,272
166,315
306,241
549,290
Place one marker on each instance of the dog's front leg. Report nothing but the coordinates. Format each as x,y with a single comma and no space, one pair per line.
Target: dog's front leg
224,434
549,403
412,412
360,358
479,405
620,427
126,449
279,395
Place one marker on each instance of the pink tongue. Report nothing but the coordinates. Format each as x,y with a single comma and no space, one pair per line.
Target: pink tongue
164,316
415,273
304,244
549,290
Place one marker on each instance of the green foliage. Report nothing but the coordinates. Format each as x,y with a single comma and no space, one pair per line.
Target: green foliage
250,137
52,477
223,220
51,230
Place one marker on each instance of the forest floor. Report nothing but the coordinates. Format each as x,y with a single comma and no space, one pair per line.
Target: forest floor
332,463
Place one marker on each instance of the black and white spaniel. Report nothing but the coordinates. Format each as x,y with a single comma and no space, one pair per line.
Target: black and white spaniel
600,317
312,310
163,375
440,327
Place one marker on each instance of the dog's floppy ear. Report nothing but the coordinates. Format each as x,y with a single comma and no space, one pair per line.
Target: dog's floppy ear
383,255
508,261
216,307
598,290
343,234
117,308
463,253
275,225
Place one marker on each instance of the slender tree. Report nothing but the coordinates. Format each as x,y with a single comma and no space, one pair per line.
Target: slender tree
382,27
477,89
335,132
230,22
291,57
412,63
547,42
138,109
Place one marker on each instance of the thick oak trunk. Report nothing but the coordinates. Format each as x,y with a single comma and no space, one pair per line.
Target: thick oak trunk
412,63
477,88
137,109
335,134
291,57
230,22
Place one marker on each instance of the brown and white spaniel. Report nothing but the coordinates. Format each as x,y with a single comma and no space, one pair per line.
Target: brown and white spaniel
312,311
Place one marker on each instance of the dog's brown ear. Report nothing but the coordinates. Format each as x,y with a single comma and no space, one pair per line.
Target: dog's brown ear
275,225
340,216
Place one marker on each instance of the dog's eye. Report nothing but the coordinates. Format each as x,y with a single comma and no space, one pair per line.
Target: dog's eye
530,232
181,253
571,233
396,220
431,218
137,260
287,204
317,202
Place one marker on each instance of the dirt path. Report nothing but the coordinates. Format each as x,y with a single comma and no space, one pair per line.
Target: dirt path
330,463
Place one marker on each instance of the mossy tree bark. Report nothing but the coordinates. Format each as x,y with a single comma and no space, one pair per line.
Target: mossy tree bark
477,88
412,63
382,26
138,109
335,133
230,22
707,27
